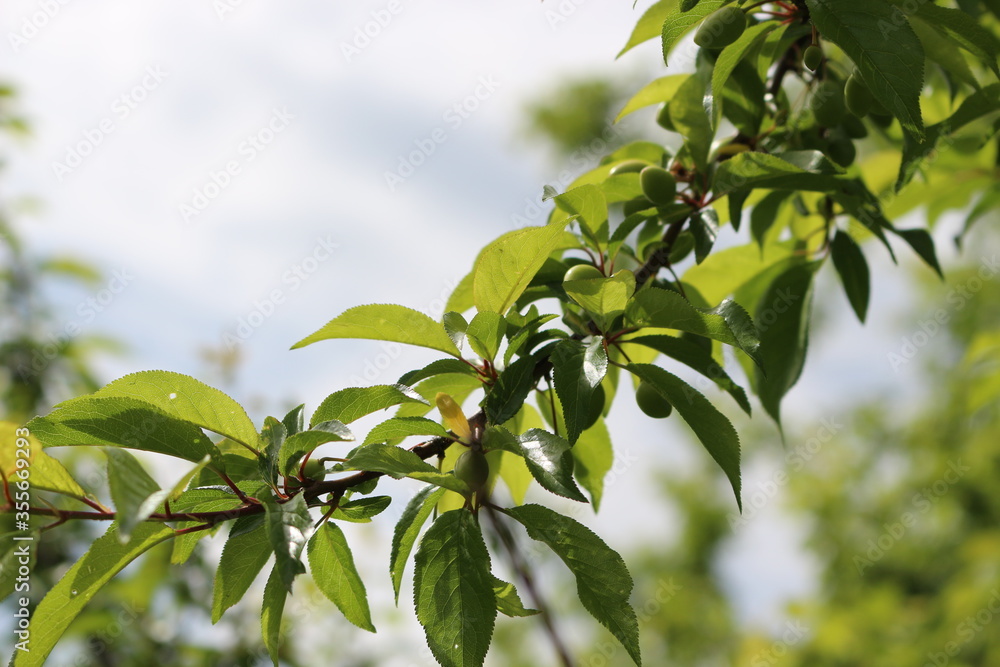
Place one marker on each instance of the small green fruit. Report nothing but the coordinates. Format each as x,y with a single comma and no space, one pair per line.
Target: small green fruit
721,28
853,127
827,103
842,151
651,402
857,96
659,185
583,272
472,468
628,167
812,58
315,469
663,118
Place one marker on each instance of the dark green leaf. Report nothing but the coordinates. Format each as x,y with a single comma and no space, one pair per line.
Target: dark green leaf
783,321
507,395
294,421
705,228
453,590
333,570
407,528
288,526
438,367
698,358
508,601
577,369
134,493
713,429
885,50
243,556
853,270
120,422
602,580
398,462
270,614
455,326
922,243
550,461
361,510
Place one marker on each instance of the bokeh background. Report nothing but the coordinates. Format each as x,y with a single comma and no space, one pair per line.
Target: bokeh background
196,186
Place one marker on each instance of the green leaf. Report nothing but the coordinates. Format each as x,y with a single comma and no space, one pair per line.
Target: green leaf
713,429
387,322
134,493
578,369
348,405
752,169
455,326
783,320
727,61
705,229
660,90
884,48
438,367
508,601
922,243
187,399
523,334
510,390
288,526
333,570
243,556
401,427
407,529
506,266
486,333
298,445
588,204
45,472
655,307
106,557
593,457
688,115
460,299
650,25
453,590
120,422
975,106
942,50
294,420
698,358
550,461
853,271
270,614
602,579
679,23
765,214
398,462
272,437
604,298
964,30
361,510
